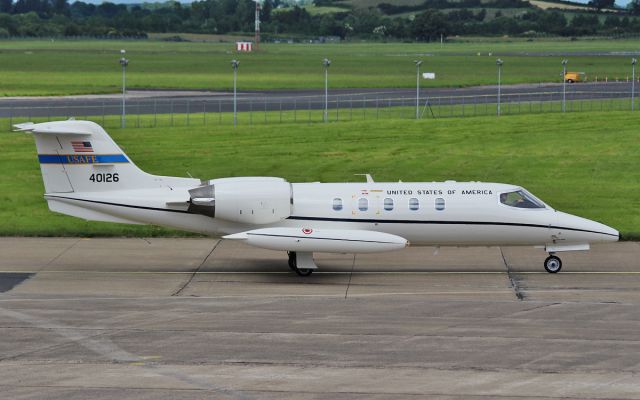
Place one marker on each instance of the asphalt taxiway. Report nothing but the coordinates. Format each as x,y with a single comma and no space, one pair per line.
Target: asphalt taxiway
202,319
195,102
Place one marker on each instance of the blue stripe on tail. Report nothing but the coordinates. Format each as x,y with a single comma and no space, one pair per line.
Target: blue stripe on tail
82,158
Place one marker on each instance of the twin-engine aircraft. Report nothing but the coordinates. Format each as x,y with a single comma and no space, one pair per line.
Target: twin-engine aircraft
87,175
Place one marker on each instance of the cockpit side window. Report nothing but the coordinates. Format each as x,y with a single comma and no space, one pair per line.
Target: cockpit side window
520,199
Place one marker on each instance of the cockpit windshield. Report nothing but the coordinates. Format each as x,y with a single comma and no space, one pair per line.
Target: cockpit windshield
520,199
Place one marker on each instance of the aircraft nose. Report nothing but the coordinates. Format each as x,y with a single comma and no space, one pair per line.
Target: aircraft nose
581,230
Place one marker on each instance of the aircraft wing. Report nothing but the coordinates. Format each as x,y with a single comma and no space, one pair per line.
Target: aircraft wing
321,240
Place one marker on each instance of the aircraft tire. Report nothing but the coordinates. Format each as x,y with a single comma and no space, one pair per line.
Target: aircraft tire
553,264
303,271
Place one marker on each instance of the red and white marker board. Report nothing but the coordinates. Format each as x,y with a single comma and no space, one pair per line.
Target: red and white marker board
244,46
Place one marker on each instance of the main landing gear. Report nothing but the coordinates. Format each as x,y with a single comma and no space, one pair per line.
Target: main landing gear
552,264
301,263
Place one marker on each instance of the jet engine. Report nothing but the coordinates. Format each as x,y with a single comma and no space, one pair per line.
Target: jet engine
251,200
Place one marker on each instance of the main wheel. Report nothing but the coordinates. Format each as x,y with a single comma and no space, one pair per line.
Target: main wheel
293,264
303,271
552,264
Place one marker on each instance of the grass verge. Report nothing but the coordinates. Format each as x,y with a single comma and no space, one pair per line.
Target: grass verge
45,67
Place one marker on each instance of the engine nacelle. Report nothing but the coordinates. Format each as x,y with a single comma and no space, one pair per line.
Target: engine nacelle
245,200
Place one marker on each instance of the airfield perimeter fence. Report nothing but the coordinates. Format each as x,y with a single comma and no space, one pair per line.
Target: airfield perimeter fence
206,111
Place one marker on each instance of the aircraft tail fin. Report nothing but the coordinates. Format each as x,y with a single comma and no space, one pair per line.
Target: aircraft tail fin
79,156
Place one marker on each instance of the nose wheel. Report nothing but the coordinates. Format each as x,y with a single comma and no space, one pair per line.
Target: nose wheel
553,264
294,259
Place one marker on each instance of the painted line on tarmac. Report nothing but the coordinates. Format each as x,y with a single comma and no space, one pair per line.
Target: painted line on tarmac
268,296
325,296
400,272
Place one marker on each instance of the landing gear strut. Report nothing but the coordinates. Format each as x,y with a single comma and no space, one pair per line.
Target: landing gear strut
552,264
301,263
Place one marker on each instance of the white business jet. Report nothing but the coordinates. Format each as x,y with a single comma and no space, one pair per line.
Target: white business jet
87,175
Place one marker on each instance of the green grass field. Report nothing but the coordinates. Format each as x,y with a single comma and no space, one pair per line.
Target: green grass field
41,67
581,163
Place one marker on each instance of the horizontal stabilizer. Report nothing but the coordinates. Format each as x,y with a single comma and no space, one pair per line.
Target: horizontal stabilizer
54,128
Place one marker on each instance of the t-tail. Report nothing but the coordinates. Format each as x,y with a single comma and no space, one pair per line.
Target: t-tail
83,170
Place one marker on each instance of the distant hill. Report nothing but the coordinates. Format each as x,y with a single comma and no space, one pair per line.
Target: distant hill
406,7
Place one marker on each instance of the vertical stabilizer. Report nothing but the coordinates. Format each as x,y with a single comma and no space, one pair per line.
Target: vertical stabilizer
79,156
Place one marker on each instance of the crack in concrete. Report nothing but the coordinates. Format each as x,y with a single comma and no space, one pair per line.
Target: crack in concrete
193,275
512,279
54,259
353,265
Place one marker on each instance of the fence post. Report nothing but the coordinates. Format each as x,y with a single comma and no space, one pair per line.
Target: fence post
580,105
351,109
540,103
601,104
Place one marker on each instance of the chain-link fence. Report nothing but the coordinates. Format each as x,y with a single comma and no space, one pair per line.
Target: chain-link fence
268,110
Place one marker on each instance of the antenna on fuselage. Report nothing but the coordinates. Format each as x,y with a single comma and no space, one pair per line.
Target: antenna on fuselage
369,178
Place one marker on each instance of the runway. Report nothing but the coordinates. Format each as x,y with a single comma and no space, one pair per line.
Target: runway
179,102
202,318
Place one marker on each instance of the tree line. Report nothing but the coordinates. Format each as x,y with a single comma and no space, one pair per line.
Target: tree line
57,18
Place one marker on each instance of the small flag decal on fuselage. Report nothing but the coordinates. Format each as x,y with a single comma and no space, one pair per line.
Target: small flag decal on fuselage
82,147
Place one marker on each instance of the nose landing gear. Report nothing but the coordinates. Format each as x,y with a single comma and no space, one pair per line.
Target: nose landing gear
552,264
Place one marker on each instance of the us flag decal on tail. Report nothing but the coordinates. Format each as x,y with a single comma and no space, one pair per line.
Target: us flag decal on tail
82,147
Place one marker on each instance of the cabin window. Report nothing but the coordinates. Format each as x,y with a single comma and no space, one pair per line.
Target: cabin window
363,204
414,204
439,204
337,204
388,204
520,199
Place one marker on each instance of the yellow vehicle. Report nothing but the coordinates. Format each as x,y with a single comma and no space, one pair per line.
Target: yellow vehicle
571,77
